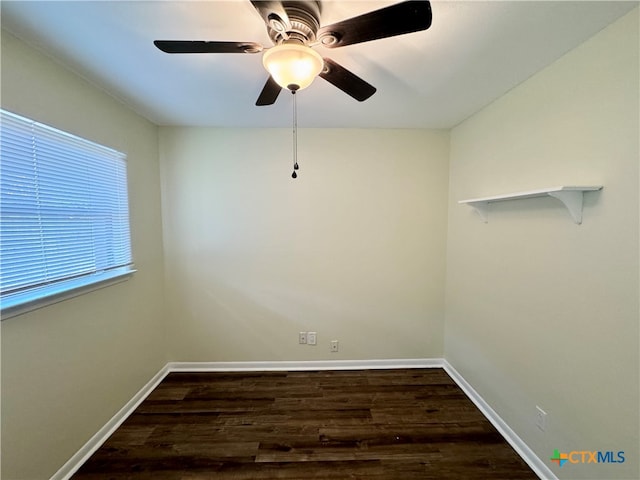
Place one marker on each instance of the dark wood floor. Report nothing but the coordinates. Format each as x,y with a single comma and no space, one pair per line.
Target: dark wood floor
370,424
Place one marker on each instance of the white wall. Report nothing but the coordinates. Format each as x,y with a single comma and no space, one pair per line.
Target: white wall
352,249
541,311
68,368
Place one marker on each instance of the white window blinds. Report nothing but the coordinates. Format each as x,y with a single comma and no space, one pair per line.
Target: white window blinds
64,219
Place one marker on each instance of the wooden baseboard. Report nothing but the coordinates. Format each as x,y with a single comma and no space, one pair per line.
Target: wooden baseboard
537,465
304,365
81,456
101,436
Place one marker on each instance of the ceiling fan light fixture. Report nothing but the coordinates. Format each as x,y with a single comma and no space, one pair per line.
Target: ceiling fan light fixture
293,66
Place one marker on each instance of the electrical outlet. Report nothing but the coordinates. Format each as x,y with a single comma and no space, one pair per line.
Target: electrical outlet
541,418
311,338
334,345
302,338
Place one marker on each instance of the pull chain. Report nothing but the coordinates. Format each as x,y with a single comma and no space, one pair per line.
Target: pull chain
295,135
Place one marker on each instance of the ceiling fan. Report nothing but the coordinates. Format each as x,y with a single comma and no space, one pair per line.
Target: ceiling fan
294,28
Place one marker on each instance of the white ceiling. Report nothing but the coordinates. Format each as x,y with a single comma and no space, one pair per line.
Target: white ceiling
474,52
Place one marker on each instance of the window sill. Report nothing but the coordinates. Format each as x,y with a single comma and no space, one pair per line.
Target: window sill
19,303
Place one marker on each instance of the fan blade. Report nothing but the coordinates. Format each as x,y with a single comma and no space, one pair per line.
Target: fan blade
398,19
269,93
346,81
273,14
188,46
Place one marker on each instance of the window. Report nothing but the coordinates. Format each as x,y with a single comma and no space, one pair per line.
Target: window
64,219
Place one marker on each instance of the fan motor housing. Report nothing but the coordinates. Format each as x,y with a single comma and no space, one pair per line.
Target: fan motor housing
304,18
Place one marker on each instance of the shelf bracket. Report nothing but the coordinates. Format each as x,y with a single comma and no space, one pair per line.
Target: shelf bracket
483,210
572,199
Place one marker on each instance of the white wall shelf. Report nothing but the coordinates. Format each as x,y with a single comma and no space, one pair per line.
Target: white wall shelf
570,196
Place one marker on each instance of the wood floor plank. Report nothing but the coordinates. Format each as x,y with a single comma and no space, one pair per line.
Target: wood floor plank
399,424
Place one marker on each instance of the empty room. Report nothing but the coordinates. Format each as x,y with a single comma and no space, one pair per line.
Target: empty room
320,239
